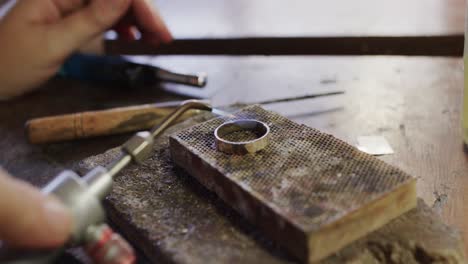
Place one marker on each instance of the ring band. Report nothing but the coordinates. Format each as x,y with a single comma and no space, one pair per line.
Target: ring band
260,129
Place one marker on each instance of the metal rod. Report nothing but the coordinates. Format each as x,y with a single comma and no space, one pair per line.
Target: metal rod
198,80
190,104
280,100
124,159
117,165
297,98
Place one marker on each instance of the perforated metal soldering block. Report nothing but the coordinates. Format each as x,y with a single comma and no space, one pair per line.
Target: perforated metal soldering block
309,191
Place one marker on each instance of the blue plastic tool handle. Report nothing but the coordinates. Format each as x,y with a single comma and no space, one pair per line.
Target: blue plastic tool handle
106,69
89,67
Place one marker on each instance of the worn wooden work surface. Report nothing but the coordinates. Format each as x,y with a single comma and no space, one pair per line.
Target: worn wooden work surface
172,218
413,102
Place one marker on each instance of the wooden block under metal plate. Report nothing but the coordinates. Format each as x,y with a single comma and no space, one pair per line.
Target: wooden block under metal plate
309,191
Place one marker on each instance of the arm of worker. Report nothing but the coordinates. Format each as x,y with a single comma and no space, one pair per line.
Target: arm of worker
36,36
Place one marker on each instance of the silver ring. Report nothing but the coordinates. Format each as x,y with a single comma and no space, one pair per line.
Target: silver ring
260,129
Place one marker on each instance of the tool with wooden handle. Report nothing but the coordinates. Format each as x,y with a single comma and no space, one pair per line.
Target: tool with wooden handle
98,123
116,120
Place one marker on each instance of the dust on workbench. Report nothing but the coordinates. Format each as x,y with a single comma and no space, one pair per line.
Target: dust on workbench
171,218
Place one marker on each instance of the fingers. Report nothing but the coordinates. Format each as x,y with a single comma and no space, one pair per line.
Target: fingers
87,23
125,28
149,22
67,6
144,18
95,46
30,219
127,33
84,24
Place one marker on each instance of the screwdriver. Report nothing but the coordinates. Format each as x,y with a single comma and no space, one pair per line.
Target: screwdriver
120,71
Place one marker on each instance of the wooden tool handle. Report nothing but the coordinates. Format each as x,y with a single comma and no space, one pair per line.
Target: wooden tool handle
97,123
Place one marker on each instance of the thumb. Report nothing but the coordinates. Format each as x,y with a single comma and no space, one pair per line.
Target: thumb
85,24
29,218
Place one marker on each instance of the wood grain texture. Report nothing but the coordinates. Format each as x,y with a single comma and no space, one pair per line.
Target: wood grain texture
97,123
413,102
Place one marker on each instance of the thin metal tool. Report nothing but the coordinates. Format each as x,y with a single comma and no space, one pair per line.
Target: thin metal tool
298,98
198,80
119,70
83,196
273,101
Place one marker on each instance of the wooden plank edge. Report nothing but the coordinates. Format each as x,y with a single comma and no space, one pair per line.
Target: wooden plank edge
375,215
305,247
450,45
259,214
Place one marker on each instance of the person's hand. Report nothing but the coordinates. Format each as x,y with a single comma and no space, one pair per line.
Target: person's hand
29,218
36,36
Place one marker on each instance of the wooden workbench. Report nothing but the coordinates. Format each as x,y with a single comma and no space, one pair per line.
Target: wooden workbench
415,102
